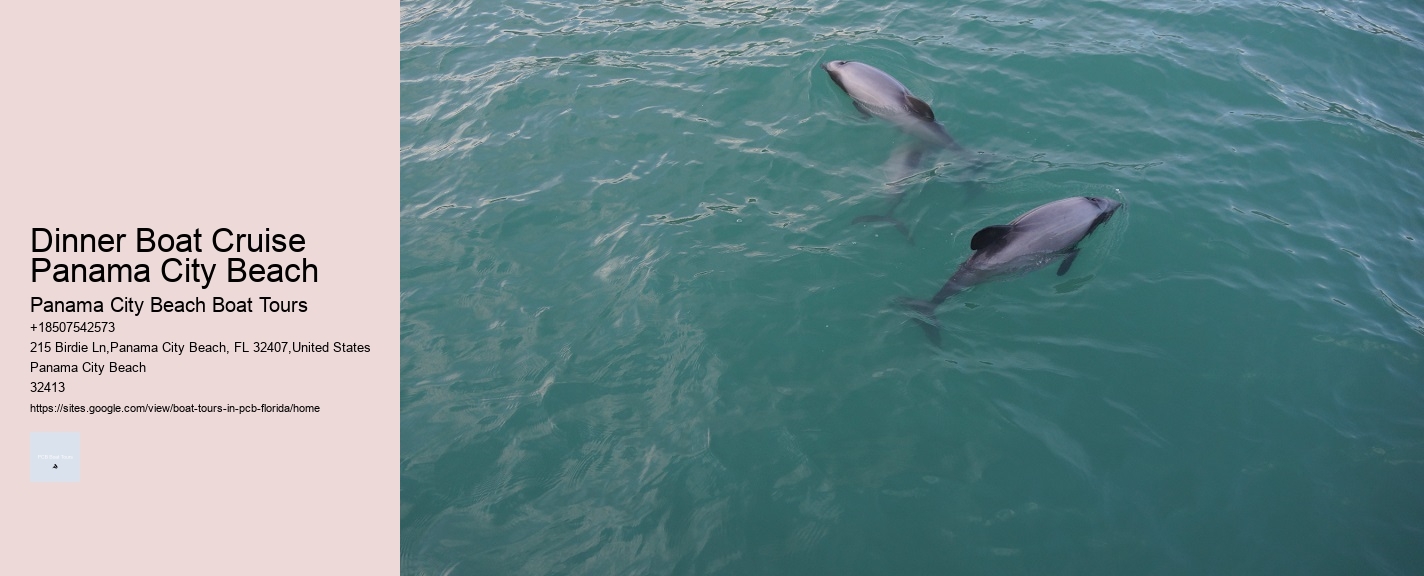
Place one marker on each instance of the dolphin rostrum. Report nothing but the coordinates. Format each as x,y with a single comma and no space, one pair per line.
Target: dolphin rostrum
1030,242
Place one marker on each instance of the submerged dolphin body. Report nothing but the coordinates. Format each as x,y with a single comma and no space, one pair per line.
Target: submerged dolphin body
1030,242
903,163
878,94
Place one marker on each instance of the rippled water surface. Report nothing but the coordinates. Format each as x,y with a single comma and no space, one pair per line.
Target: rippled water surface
641,334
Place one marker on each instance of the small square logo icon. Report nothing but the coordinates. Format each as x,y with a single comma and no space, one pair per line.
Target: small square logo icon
54,456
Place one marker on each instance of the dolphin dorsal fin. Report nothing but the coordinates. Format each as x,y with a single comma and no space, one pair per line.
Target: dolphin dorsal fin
989,236
919,108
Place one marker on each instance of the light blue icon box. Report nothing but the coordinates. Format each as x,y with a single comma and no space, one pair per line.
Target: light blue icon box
54,456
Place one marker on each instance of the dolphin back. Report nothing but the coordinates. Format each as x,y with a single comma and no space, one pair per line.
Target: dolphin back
1056,227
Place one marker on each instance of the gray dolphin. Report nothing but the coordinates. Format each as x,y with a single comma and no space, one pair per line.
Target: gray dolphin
875,93
1030,242
878,94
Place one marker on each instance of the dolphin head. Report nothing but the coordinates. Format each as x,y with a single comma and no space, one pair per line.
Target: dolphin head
833,68
1106,205
1106,208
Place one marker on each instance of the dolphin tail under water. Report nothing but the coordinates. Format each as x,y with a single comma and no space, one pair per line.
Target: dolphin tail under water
902,164
924,310
924,316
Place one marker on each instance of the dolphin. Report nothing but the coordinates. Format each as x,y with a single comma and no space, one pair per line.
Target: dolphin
1030,242
875,93
878,94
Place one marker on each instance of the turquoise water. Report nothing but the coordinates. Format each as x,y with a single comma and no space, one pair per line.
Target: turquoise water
640,334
